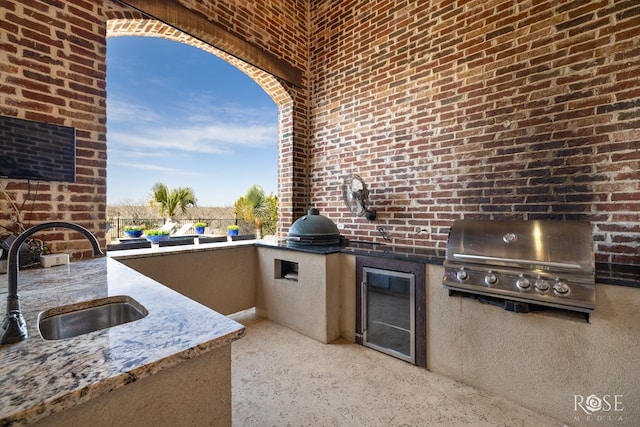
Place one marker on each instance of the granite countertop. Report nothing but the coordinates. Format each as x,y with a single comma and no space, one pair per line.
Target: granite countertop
375,249
43,377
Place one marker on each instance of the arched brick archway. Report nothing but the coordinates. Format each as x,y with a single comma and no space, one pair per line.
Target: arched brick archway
146,27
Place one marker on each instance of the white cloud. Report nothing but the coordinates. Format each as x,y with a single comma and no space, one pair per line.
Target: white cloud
197,128
150,167
115,153
127,112
232,113
143,166
209,139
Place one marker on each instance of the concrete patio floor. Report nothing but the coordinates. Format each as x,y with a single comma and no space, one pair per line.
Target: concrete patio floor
283,378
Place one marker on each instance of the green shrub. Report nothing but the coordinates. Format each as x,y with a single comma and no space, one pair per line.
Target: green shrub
156,232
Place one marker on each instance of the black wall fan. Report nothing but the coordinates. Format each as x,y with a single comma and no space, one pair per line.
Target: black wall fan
356,197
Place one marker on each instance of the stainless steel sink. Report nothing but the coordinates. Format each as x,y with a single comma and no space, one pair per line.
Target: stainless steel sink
78,319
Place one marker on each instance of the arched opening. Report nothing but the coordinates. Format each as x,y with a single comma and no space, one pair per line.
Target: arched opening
270,84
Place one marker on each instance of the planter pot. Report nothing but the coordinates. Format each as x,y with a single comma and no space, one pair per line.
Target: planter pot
199,230
133,233
158,238
232,232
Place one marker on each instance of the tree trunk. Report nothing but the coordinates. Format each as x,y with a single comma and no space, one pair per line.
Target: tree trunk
258,223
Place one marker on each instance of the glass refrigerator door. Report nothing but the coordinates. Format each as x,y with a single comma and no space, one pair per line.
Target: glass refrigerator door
388,312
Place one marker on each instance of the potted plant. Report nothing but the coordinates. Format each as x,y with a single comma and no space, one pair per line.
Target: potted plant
133,231
200,226
154,236
232,230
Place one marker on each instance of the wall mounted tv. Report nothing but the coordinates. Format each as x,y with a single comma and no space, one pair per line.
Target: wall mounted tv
35,150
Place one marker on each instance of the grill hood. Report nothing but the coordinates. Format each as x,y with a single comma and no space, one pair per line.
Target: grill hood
542,262
546,245
313,229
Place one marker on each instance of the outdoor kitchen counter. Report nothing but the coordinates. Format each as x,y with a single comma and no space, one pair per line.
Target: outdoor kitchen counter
374,249
606,274
160,251
43,377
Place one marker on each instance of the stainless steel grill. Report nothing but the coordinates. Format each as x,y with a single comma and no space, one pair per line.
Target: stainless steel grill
518,263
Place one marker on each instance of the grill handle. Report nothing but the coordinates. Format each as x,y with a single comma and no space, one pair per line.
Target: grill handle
566,265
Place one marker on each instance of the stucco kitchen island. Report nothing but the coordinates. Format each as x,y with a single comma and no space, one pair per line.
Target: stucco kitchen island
172,367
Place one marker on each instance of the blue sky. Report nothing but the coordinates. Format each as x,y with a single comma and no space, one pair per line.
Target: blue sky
182,116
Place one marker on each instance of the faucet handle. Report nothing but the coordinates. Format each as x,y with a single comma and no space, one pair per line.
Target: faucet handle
14,328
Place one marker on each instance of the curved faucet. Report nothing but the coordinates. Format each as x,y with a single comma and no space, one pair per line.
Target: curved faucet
14,328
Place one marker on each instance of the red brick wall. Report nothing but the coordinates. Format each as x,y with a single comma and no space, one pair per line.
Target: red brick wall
52,69
479,109
447,109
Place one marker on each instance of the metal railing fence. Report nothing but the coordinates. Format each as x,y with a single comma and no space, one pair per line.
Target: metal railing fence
116,225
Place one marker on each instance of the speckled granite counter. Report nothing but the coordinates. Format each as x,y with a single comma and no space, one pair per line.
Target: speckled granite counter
44,377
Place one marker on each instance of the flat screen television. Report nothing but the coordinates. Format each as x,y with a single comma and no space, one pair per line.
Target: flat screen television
36,150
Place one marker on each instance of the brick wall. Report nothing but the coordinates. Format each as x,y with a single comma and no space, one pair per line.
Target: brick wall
479,109
55,73
52,70
448,109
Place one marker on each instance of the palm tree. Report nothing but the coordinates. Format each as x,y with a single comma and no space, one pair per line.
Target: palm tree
170,201
254,207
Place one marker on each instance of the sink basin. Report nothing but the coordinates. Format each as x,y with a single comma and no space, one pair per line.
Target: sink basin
89,316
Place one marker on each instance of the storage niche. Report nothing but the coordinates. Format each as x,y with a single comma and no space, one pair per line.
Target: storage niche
286,270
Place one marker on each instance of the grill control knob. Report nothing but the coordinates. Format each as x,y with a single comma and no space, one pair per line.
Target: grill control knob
541,284
490,278
560,287
523,282
462,275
